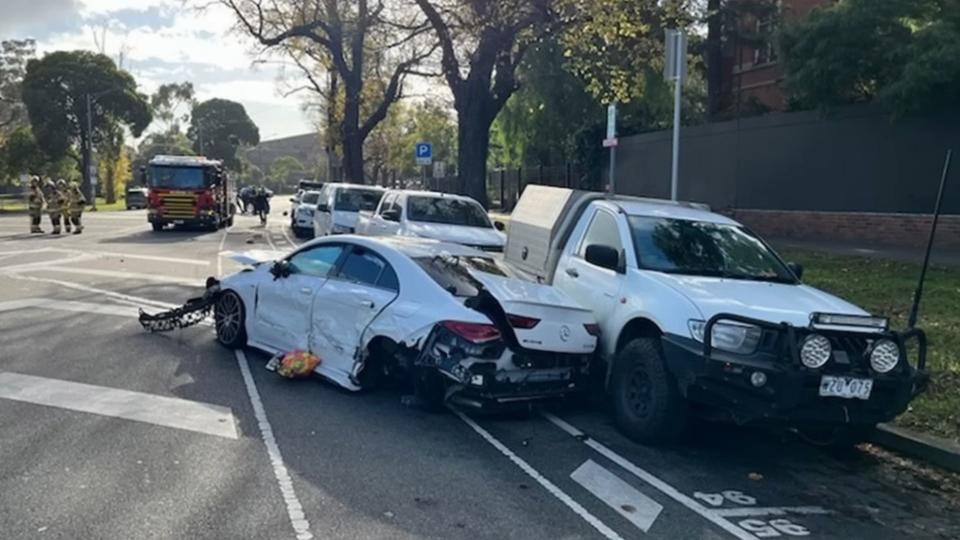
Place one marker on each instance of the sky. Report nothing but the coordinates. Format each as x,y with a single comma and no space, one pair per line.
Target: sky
165,41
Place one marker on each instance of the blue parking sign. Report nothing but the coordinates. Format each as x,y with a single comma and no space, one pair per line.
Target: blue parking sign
424,153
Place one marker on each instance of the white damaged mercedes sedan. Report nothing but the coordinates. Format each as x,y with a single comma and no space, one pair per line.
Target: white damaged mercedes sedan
446,317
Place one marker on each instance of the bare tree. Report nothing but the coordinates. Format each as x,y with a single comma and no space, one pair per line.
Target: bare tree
349,34
483,42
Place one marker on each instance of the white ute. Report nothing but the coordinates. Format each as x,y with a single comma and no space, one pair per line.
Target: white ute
426,214
447,317
698,314
339,205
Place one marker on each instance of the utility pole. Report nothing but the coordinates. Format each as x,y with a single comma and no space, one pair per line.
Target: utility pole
88,155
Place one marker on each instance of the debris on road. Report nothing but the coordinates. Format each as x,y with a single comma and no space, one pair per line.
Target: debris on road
192,313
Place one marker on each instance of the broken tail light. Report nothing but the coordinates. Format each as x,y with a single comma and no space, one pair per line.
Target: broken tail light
473,332
593,329
521,322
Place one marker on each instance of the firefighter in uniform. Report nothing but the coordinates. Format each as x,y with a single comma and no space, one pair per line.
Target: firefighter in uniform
75,204
55,202
35,204
63,199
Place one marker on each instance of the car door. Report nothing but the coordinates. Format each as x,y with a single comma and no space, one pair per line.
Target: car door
283,304
323,217
362,286
379,225
592,286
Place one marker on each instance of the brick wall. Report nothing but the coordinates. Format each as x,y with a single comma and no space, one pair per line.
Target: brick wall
908,230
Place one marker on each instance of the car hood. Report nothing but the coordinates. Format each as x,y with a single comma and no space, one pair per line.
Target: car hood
774,302
457,234
256,256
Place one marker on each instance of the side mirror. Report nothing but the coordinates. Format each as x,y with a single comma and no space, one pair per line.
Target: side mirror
499,225
293,199
280,269
323,208
391,215
796,268
603,256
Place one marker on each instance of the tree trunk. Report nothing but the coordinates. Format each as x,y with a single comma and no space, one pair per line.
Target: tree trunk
714,58
474,118
352,139
110,191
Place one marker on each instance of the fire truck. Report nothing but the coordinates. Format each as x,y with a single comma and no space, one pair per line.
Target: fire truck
190,191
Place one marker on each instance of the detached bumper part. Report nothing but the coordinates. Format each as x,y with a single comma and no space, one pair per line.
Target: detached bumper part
772,385
193,312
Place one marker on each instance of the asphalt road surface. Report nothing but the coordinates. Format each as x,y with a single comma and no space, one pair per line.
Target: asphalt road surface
109,432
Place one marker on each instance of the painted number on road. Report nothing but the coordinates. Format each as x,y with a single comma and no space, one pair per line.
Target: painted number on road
717,499
773,528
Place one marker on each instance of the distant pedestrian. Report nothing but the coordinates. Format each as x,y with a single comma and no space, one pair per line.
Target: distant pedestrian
75,203
35,202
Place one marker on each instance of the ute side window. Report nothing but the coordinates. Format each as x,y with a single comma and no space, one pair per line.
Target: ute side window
602,230
387,203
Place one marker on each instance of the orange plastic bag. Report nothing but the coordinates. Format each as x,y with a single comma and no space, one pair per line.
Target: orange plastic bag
297,363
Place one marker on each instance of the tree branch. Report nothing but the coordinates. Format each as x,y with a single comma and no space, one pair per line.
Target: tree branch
449,64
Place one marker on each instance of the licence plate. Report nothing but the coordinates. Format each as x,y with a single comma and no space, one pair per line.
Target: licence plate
178,222
845,387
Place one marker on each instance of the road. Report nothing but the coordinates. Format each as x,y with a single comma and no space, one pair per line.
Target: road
107,431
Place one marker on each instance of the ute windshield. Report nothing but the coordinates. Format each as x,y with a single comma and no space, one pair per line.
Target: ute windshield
446,211
356,199
159,176
699,248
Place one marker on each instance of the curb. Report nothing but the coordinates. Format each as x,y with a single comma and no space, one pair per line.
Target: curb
935,450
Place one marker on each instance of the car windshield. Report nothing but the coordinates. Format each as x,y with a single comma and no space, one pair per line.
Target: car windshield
699,248
310,198
354,200
176,177
450,272
447,211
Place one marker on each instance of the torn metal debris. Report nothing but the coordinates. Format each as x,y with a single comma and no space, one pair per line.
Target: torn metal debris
192,313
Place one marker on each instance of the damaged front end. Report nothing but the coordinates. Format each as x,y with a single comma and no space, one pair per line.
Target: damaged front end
483,370
193,312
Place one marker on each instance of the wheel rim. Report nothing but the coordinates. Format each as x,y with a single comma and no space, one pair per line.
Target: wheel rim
228,318
638,393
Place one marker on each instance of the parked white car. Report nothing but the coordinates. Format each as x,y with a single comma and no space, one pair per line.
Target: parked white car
302,212
698,314
339,205
449,317
441,216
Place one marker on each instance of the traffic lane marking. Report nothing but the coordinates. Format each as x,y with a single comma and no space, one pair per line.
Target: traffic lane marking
115,274
650,479
551,488
125,298
771,511
69,305
113,402
630,503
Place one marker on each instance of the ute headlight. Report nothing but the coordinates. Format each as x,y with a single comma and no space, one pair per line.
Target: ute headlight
735,338
885,356
815,351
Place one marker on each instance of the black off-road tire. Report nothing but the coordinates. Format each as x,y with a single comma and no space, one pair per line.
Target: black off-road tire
429,389
229,317
647,405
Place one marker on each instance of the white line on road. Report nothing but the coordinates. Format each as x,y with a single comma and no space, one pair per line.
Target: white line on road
633,505
113,402
117,274
223,240
771,511
68,305
600,526
664,487
107,254
294,509
135,300
286,237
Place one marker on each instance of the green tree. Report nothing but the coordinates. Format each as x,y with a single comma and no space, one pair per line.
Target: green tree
284,172
482,74
172,103
55,91
218,127
904,54
14,55
170,142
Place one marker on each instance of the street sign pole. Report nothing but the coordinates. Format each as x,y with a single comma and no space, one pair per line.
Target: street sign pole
611,142
675,69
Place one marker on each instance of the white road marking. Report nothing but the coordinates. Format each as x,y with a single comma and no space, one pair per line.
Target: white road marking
137,406
135,300
294,509
107,254
286,237
68,305
266,233
223,240
600,526
771,511
117,274
664,487
630,503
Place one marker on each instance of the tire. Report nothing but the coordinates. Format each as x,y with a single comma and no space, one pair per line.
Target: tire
647,405
429,389
230,320
157,227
